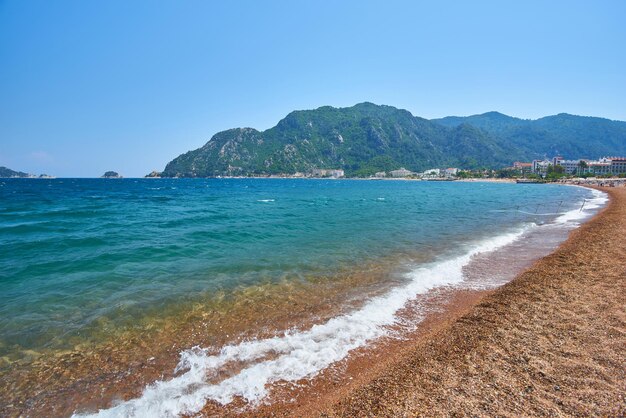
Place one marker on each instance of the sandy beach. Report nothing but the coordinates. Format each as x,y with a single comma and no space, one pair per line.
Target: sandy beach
551,342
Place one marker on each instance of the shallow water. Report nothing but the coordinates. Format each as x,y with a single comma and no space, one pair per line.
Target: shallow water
84,260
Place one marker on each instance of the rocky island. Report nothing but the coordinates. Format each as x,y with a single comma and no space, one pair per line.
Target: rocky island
111,175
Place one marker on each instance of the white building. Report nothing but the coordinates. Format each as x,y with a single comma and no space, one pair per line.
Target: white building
605,165
541,166
433,172
322,172
449,172
570,166
402,172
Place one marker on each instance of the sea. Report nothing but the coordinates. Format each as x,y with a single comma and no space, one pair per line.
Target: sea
274,280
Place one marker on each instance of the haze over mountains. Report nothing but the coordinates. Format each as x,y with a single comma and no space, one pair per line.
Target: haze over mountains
367,138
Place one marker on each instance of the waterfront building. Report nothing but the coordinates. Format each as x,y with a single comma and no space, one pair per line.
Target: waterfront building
449,172
541,166
433,172
521,165
523,168
618,165
402,172
322,172
572,166
603,166
600,167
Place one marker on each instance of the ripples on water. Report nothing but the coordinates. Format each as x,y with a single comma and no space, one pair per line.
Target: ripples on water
76,247
83,258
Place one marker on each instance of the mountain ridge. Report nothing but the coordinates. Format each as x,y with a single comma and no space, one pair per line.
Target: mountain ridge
366,138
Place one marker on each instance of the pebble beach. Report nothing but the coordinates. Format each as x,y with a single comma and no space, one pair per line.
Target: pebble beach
550,343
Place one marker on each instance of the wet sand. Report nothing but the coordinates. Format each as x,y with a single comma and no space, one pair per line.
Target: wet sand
551,342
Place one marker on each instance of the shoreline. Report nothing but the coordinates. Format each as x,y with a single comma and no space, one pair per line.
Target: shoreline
590,182
481,353
550,342
316,397
444,306
302,397
382,379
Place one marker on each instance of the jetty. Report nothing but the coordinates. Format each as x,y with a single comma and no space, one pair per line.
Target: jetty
529,181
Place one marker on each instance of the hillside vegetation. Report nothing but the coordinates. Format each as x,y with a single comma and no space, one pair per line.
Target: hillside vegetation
367,138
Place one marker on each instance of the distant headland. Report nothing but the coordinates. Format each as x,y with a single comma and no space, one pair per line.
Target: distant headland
12,174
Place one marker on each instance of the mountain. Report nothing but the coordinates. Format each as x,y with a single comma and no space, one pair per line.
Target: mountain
7,172
568,135
494,122
367,138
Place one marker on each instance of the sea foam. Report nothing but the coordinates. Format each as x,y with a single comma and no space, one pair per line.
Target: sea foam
295,355
587,208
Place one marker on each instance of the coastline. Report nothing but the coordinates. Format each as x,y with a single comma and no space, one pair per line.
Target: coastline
405,377
550,342
545,343
367,363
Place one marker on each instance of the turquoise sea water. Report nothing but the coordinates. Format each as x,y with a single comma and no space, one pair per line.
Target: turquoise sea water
74,251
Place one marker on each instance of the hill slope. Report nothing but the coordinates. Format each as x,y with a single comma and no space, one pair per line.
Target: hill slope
563,134
366,138
7,172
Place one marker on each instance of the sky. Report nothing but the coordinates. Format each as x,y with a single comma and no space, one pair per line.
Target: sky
91,86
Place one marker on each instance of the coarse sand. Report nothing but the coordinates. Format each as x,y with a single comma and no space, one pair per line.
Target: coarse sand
550,343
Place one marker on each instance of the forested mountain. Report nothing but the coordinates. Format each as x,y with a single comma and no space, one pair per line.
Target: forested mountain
367,138
567,135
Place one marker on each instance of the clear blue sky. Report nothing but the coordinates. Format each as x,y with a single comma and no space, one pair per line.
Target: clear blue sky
89,86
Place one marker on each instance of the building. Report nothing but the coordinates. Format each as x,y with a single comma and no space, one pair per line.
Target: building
600,167
450,172
618,165
541,166
524,168
323,172
571,166
603,166
380,175
433,172
402,172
